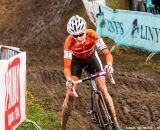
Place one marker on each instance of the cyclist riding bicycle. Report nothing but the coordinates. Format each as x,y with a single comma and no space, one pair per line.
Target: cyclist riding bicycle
79,51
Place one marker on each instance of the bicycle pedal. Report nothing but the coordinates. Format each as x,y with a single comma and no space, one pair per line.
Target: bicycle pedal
89,112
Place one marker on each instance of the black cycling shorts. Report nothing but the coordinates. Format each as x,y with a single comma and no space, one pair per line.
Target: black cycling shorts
93,63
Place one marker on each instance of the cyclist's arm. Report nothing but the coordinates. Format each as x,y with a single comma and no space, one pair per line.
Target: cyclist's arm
67,58
67,70
102,46
108,56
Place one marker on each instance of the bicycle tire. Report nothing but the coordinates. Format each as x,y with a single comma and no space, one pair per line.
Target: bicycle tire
96,110
103,116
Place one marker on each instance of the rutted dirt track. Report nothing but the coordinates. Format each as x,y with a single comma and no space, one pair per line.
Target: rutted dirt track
39,27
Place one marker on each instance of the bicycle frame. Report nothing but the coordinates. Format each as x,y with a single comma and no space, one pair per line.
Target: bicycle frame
96,95
99,108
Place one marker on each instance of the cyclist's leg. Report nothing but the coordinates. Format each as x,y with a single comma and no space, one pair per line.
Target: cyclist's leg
76,71
102,87
95,65
66,108
67,105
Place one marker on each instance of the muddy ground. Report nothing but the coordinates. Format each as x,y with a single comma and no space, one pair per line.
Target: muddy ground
39,28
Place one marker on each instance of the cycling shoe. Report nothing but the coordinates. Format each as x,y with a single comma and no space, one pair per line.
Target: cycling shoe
117,126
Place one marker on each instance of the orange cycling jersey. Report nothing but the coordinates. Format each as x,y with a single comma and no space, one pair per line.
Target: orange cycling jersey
84,50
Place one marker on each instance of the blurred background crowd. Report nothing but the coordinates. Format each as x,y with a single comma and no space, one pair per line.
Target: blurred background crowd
152,6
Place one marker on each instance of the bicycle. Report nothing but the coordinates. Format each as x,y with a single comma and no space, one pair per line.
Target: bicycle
99,108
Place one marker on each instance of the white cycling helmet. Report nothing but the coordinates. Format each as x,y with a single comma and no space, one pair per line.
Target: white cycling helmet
76,25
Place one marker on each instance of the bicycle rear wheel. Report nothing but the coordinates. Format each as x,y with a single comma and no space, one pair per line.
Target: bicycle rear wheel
102,113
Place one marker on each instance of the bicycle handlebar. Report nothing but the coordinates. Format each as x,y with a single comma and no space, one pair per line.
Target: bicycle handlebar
90,78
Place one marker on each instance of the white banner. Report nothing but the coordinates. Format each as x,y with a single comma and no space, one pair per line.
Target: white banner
92,8
12,91
130,28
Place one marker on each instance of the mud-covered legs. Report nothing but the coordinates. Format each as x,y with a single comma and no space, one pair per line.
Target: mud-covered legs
102,87
66,108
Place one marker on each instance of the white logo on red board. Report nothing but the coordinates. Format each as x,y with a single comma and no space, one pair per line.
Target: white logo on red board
12,97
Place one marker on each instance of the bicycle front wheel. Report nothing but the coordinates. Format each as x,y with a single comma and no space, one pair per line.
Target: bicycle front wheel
104,117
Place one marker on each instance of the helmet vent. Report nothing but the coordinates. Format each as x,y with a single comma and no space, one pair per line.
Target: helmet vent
76,25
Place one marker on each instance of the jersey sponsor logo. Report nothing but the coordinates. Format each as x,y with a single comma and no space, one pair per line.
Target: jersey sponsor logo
84,51
77,49
68,54
100,44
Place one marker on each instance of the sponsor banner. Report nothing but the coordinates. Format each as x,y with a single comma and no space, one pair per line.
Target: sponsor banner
91,7
13,92
130,28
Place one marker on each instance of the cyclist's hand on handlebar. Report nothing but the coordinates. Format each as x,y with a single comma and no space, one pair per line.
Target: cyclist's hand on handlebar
69,82
109,69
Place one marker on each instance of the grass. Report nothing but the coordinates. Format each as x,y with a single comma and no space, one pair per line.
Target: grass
46,120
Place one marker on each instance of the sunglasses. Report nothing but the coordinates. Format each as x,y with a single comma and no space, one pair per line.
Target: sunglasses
80,35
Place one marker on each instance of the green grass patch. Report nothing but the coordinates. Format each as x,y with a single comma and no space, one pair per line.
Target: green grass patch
46,120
